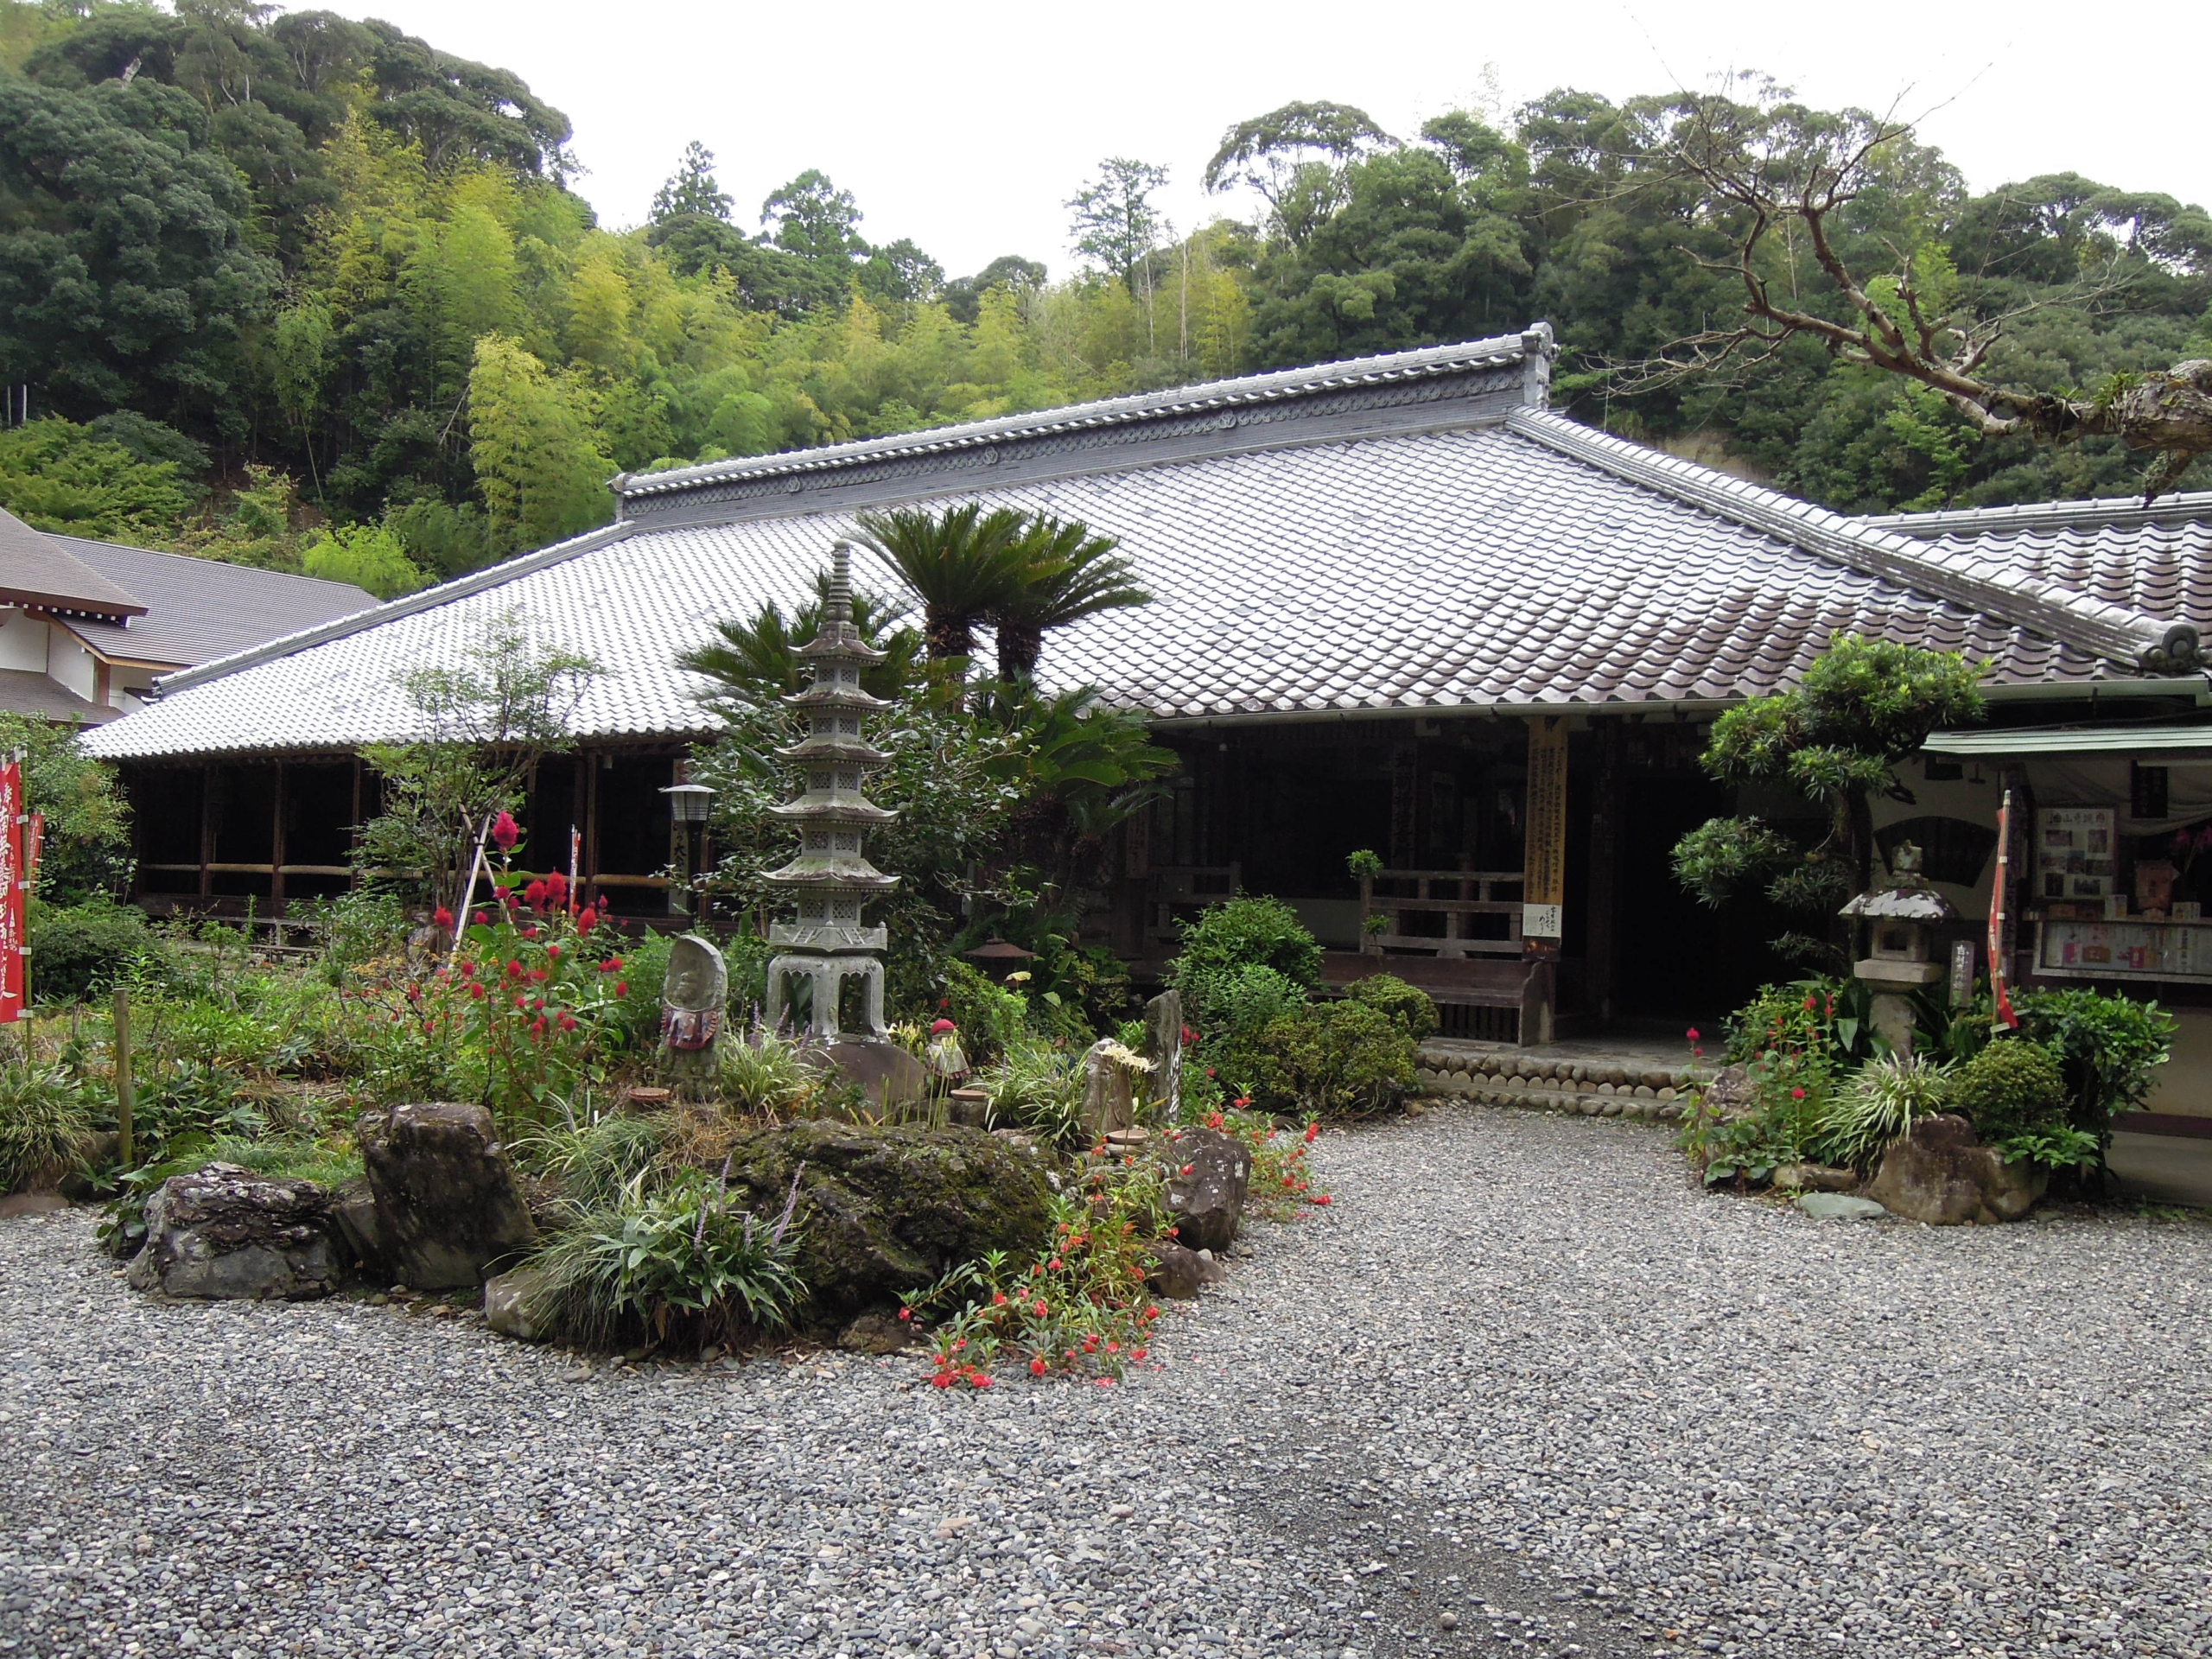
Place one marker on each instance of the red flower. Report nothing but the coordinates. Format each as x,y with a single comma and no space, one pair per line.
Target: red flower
998,1299
1691,1033
1214,1121
1320,1198
554,951
979,1379
442,917
587,921
942,1380
1312,1129
514,970
483,918
1037,1368
476,990
1055,1264
621,988
556,887
505,832
1040,1308
567,1021
906,1312
1796,1094
1138,1353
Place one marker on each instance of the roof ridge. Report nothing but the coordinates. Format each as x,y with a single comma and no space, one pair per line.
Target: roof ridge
2103,630
2091,511
39,567
1532,345
476,581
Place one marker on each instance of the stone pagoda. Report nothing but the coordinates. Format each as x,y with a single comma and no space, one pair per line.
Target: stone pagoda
831,878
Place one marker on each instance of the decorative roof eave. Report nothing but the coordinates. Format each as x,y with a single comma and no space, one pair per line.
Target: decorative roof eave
2090,625
475,581
1532,349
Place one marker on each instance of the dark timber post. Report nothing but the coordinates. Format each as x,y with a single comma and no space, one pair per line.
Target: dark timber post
277,858
209,774
1605,866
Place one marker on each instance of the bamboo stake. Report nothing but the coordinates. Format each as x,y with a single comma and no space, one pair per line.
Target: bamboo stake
468,897
125,1098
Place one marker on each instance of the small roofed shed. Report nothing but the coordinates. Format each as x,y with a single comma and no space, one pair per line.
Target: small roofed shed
1382,588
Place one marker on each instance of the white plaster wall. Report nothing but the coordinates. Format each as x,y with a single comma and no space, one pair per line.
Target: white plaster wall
2185,1082
23,641
127,687
69,665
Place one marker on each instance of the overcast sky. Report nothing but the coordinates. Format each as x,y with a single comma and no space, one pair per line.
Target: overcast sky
967,127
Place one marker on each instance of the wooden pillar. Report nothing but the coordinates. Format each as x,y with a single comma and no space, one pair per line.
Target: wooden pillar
276,853
1405,780
1601,929
209,774
353,833
587,768
1543,853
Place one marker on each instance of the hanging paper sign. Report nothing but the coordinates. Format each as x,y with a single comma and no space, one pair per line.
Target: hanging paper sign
1543,851
32,841
13,882
1997,895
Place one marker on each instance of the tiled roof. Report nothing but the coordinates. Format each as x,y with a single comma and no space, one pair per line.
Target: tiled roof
27,691
200,609
37,569
2156,559
1463,551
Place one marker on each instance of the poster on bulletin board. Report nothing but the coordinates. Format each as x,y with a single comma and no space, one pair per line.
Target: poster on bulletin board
2074,852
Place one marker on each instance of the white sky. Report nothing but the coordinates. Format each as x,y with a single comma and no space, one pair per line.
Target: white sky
967,127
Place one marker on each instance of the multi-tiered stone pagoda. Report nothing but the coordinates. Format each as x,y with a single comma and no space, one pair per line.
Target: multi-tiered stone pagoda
831,878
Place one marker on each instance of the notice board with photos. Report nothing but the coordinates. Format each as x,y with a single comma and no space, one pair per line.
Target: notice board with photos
2076,854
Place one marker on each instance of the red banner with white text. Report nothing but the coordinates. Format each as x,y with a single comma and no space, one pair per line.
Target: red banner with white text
13,823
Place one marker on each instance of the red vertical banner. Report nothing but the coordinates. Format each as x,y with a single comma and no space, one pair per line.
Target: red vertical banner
13,824
1998,893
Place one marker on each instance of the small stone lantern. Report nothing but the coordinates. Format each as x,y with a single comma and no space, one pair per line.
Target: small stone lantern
1900,917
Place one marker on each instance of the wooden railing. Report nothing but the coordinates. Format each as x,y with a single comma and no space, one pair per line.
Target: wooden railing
1186,886
1455,895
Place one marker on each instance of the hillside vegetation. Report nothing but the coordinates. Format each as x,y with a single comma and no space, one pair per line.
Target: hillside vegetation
308,292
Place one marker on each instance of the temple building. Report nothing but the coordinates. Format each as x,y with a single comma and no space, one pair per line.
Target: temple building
1399,604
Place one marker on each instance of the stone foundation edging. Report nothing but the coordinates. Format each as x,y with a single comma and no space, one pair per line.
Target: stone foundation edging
1594,1088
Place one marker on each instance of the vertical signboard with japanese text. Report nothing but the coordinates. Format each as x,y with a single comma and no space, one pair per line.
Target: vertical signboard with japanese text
1543,860
13,881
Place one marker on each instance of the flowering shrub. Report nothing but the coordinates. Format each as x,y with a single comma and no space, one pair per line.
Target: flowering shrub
1079,1307
1282,1180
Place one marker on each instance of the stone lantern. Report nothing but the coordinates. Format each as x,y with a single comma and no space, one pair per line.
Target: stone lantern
1899,919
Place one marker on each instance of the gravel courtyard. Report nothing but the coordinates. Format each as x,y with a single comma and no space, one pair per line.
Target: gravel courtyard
1520,1390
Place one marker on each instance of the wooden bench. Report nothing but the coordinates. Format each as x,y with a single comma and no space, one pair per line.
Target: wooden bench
1495,1000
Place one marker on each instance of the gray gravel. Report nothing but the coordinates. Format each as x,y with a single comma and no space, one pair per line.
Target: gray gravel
1521,1390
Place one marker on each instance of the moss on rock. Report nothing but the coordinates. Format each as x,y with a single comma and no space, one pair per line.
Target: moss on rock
887,1210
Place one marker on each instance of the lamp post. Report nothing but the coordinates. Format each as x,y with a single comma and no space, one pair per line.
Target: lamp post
687,806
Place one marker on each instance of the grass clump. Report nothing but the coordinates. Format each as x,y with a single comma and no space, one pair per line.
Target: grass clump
44,1127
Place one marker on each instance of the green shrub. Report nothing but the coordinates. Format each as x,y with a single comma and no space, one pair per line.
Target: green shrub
1243,932
685,1266
2012,1088
989,1016
290,1158
43,1126
1412,1007
634,1014
355,928
593,1165
2108,1046
1037,1088
763,1076
1879,1105
1331,1059
83,950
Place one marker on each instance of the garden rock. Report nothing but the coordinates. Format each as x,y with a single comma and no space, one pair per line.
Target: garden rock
1940,1174
1730,1095
1837,1207
224,1233
1178,1273
884,1209
447,1206
1815,1178
1163,1046
353,1225
1209,1174
1109,1097
881,1070
876,1333
507,1304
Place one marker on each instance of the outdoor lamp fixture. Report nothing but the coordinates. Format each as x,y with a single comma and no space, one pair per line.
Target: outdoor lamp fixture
687,806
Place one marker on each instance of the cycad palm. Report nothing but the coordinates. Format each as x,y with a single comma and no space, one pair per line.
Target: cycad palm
1067,574
755,662
962,564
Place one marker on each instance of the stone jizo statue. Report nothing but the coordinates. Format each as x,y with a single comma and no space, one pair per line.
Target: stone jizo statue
691,1003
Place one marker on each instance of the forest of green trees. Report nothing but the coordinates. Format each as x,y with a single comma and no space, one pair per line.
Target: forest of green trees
302,291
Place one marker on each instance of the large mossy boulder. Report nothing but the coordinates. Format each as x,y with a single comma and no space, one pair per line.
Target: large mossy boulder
887,1210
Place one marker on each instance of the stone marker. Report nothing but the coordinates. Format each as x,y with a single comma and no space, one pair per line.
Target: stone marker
1108,1099
223,1232
1163,1046
1940,1174
1837,1207
691,999
1208,1175
447,1205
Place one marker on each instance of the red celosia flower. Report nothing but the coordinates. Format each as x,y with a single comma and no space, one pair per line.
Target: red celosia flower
621,988
556,887
554,951
442,917
520,1000
514,969
1691,1033
567,1021
476,990
1796,1094
505,832
588,921
483,918
537,976
1312,1129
